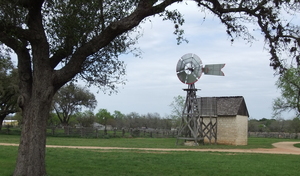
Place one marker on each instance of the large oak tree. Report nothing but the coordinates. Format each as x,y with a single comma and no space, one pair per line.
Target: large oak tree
56,41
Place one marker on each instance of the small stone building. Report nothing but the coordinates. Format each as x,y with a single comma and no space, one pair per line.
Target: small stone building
10,122
225,120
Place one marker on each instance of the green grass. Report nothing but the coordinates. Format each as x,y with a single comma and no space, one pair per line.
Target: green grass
73,162
95,162
297,145
7,159
142,142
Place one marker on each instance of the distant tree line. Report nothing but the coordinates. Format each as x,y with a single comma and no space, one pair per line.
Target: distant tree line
274,125
116,120
135,120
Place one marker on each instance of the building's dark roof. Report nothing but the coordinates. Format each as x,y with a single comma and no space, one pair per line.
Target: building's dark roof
223,106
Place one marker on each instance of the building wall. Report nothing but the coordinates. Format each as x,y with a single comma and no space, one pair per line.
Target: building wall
227,130
231,130
242,135
10,122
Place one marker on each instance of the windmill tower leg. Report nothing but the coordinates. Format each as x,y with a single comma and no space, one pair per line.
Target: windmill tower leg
190,128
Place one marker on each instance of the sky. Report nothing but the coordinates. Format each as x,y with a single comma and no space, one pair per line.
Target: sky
152,81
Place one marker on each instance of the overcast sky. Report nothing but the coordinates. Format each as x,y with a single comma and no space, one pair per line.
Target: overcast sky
152,81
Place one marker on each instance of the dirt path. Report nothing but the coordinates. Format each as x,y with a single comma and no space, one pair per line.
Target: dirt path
279,148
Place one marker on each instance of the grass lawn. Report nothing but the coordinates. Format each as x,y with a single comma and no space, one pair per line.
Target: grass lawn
73,162
297,145
142,142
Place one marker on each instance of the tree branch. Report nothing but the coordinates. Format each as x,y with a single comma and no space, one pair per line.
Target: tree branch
144,9
28,3
57,112
24,62
19,33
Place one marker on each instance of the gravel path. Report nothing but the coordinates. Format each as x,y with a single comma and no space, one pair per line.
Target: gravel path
279,148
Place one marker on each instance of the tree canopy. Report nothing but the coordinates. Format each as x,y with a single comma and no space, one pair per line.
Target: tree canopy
103,115
70,99
86,118
177,106
57,41
8,88
289,86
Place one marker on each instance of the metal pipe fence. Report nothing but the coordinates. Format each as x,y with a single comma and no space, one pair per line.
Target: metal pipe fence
88,132
274,135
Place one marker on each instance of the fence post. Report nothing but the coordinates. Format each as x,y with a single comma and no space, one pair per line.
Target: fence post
53,129
81,131
97,135
7,128
123,132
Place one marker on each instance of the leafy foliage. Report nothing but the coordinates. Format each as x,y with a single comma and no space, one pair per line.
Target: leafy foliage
274,125
289,85
70,99
8,88
86,118
273,18
103,115
177,106
132,120
72,24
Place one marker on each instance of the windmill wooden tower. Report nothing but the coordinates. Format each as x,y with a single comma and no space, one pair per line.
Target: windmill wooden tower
189,69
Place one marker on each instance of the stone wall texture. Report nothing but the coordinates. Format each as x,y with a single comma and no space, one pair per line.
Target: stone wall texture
231,130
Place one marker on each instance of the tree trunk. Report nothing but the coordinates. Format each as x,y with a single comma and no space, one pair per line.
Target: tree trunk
1,121
31,154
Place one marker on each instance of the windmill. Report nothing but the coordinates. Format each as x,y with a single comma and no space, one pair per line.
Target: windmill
189,70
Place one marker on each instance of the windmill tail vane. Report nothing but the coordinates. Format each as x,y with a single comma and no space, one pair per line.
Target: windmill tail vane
214,69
